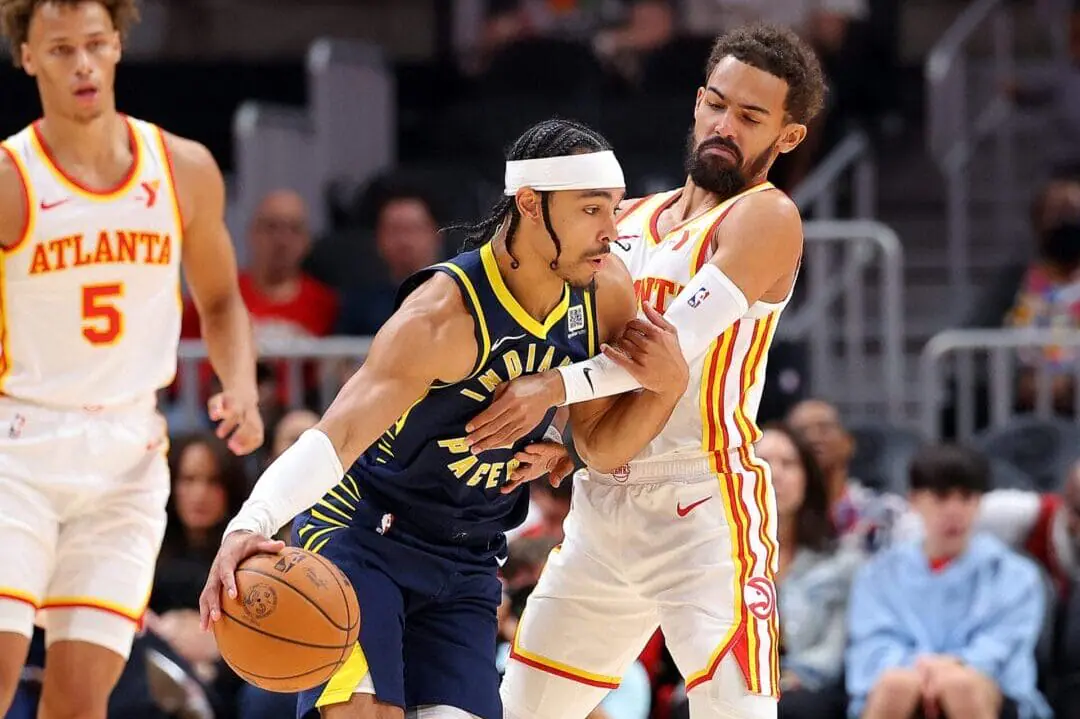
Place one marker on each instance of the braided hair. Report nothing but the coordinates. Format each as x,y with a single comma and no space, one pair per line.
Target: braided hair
550,138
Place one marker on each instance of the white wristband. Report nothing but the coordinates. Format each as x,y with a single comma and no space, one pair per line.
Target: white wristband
292,483
708,305
553,435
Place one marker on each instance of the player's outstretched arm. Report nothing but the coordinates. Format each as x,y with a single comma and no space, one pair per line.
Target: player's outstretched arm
430,338
14,202
210,268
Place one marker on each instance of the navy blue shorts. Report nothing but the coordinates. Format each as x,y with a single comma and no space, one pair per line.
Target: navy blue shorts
428,624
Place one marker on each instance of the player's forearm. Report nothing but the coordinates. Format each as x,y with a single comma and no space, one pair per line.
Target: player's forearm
624,430
226,329
292,483
704,310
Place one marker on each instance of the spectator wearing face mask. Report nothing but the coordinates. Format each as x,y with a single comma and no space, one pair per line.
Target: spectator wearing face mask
1049,295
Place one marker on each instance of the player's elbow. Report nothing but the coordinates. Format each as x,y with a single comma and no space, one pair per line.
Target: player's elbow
598,458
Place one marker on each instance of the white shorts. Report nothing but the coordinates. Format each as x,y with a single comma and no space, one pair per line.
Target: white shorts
82,517
694,556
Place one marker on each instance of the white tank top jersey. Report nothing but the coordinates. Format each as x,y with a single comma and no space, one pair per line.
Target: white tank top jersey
90,304
716,418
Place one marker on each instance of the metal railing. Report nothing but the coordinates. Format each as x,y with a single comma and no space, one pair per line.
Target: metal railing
954,130
819,191
978,361
836,297
332,357
839,365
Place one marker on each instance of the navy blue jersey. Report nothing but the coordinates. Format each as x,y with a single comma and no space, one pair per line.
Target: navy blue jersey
419,477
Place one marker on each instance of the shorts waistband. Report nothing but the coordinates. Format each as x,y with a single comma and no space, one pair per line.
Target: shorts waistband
147,403
653,472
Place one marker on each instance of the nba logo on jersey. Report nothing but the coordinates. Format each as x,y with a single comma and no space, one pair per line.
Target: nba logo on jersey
697,298
575,320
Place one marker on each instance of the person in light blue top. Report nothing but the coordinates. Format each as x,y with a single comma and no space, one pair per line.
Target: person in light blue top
948,623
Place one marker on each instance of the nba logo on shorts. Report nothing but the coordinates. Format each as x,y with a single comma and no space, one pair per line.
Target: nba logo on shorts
697,298
575,319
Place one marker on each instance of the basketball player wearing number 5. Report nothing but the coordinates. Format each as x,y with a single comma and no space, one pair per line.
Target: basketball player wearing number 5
98,213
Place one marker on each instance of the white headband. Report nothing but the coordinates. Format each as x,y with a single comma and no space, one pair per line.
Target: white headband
587,171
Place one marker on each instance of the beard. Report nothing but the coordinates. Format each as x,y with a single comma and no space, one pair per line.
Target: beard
718,174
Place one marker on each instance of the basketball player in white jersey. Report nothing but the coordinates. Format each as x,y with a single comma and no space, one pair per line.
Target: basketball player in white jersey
680,532
97,213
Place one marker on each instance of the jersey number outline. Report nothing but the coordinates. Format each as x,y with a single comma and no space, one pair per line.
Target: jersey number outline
102,321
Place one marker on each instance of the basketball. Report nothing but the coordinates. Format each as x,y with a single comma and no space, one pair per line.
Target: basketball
294,622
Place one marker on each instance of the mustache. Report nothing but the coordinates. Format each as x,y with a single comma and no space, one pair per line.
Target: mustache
605,251
718,143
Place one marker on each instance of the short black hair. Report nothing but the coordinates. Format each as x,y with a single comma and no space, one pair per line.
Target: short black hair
550,138
946,468
783,54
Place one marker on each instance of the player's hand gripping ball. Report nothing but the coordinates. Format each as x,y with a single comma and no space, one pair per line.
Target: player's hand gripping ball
294,622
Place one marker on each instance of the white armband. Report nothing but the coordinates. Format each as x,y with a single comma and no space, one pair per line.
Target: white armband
551,434
707,306
291,484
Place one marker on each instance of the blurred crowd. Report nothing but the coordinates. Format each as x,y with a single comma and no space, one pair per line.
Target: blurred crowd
901,564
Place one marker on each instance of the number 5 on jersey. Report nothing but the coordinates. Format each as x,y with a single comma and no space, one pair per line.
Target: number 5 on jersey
102,321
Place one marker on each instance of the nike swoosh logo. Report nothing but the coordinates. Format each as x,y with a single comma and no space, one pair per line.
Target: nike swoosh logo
683,511
624,246
506,339
49,205
588,371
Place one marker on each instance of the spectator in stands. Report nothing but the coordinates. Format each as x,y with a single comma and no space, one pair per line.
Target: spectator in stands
407,239
812,584
1046,526
947,623
505,22
650,25
1059,91
288,430
1049,294
209,485
284,302
864,518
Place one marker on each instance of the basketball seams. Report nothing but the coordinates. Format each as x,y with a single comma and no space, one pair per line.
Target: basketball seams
290,640
331,567
303,594
316,670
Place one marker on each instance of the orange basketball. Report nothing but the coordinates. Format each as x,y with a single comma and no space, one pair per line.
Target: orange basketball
294,622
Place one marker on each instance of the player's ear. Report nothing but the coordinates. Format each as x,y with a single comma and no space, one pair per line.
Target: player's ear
26,60
528,204
790,137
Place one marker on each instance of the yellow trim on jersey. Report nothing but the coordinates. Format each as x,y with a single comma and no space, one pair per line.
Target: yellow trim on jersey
510,303
134,173
481,359
589,327
30,198
341,686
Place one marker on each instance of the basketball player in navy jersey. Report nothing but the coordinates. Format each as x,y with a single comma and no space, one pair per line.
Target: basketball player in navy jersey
417,523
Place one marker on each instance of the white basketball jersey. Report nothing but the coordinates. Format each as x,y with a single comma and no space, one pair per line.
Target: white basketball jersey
90,297
717,415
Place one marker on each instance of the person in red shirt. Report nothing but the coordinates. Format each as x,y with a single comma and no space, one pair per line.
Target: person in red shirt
283,301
